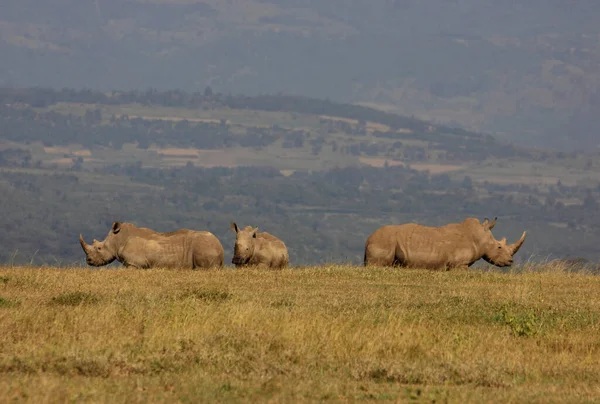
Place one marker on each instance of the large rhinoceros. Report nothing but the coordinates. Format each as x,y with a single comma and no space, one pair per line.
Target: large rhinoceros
258,249
456,245
140,247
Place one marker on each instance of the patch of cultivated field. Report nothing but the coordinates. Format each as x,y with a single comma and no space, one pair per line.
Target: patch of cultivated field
532,173
369,126
304,334
68,150
432,168
245,117
200,157
437,168
379,161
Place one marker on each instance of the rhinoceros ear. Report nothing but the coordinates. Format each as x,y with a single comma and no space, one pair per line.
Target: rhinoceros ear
116,227
489,225
254,232
234,227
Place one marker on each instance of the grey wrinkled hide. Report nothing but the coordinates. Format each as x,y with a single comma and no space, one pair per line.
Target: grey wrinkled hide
140,247
456,245
258,249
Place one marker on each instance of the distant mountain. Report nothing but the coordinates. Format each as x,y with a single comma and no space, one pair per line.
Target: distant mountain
526,71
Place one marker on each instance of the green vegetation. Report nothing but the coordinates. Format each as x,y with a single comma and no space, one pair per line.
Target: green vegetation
75,299
7,303
326,333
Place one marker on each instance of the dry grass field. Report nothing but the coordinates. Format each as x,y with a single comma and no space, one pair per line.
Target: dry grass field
306,334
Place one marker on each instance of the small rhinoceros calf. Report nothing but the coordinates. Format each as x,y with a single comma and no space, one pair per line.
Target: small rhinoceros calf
456,245
140,247
258,249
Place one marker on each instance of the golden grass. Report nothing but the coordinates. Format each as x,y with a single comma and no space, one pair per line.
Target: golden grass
307,334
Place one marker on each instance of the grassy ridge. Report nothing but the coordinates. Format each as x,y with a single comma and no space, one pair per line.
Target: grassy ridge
299,335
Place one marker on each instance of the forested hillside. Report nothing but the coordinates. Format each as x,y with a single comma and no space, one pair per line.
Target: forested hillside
527,71
320,175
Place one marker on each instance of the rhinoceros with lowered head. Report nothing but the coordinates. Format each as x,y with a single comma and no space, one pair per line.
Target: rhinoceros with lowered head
258,249
140,247
456,245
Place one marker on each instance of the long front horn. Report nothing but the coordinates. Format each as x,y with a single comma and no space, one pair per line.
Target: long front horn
515,247
83,244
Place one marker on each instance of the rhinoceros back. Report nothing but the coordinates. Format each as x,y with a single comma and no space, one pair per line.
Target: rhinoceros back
271,251
414,245
179,249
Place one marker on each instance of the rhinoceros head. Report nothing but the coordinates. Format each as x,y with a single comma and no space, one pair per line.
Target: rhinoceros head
497,252
244,244
104,252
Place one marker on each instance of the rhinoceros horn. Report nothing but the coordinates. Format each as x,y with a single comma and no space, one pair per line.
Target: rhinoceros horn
515,247
85,246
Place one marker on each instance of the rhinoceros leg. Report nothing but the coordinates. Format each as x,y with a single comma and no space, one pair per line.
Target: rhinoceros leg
399,257
205,260
201,262
379,257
